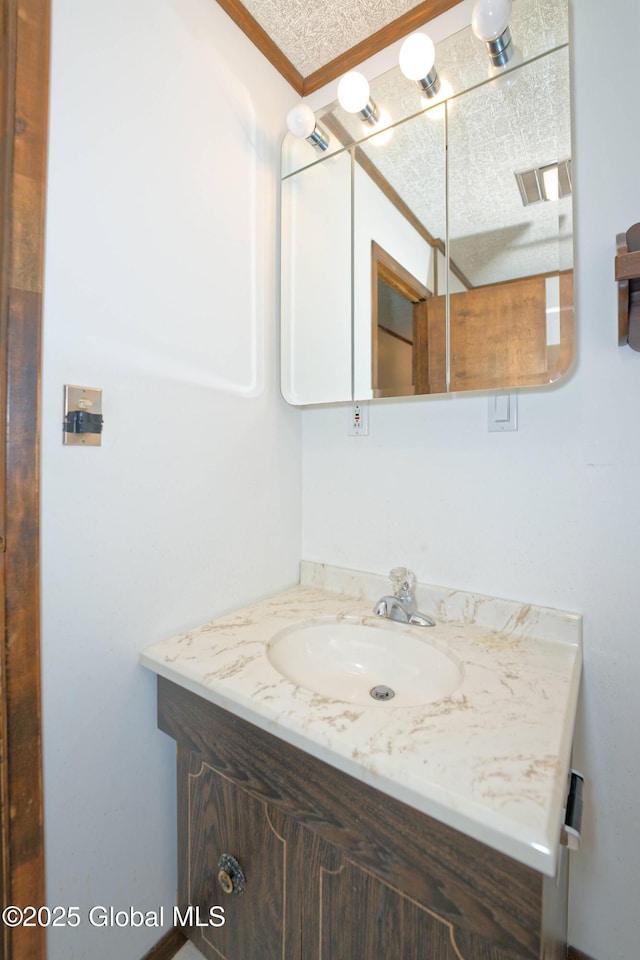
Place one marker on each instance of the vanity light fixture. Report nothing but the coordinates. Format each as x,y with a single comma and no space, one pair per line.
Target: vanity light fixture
353,96
301,121
417,58
490,22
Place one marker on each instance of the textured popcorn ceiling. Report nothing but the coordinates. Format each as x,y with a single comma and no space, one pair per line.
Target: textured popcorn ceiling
310,34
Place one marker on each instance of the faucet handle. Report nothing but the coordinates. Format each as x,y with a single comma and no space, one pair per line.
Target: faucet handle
403,582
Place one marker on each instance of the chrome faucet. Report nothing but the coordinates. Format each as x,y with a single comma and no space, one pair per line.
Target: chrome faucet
402,605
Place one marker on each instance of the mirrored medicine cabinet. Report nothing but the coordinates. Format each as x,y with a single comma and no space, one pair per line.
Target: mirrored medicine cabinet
433,253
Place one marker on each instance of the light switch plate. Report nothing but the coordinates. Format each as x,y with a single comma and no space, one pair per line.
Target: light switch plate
503,412
81,398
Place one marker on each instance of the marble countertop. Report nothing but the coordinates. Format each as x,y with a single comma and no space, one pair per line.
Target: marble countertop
491,760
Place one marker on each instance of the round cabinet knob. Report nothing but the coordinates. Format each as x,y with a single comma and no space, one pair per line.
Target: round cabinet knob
230,875
225,881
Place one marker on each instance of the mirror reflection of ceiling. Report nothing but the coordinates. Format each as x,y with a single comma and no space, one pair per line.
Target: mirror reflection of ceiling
492,135
495,130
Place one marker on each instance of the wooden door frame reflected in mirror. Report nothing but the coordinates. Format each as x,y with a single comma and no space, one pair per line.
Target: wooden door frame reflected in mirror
386,268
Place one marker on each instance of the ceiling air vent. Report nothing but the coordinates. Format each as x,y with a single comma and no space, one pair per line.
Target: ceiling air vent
549,182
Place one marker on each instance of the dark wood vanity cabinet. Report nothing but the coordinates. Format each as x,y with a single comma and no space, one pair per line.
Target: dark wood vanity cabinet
334,869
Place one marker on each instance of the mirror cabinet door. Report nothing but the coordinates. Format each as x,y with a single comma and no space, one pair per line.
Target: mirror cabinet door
436,255
316,280
510,230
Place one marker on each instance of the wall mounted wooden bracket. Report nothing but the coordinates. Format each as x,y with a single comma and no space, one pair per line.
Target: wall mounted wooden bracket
627,273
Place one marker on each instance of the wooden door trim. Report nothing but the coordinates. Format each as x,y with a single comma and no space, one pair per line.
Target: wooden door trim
398,28
387,268
24,83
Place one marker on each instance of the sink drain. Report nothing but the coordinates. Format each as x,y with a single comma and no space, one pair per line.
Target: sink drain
381,692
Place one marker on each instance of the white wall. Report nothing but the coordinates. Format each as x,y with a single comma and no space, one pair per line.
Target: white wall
549,514
160,288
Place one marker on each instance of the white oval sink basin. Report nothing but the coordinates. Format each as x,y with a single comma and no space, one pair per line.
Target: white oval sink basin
345,659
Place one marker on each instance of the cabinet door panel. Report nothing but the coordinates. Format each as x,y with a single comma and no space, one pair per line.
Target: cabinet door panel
221,818
330,873
364,918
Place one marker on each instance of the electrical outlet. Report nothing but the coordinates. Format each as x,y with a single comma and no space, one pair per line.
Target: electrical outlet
358,425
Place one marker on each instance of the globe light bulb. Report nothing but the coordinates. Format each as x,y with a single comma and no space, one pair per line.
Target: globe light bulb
417,56
301,120
353,92
490,18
